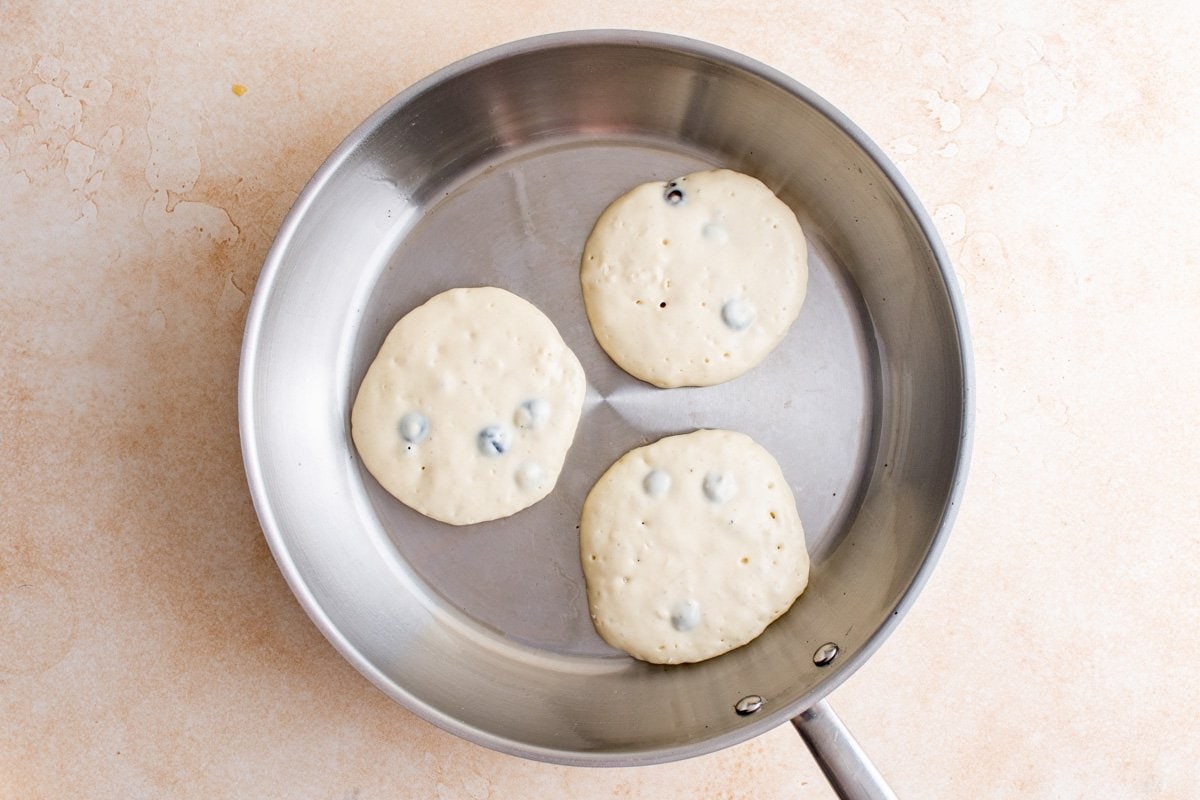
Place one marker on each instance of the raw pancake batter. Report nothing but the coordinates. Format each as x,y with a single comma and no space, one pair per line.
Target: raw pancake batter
467,412
691,546
693,282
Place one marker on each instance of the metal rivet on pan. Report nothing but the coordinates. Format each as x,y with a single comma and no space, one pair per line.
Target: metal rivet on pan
748,705
825,654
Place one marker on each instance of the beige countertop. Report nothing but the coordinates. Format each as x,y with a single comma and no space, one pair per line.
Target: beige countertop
149,646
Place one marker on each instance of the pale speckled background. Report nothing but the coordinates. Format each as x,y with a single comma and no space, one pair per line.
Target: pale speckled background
149,646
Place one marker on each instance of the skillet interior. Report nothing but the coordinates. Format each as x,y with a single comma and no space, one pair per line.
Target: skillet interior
491,172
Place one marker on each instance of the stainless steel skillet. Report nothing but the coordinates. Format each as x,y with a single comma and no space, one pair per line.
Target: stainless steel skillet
491,172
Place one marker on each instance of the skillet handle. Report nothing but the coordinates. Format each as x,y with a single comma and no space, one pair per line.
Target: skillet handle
850,772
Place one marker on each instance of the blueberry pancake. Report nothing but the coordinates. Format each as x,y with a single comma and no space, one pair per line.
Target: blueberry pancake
691,546
694,281
467,412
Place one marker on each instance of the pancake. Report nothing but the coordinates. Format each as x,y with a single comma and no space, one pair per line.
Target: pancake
469,409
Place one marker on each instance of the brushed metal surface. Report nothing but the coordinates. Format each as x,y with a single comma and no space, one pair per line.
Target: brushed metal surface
491,172
839,756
